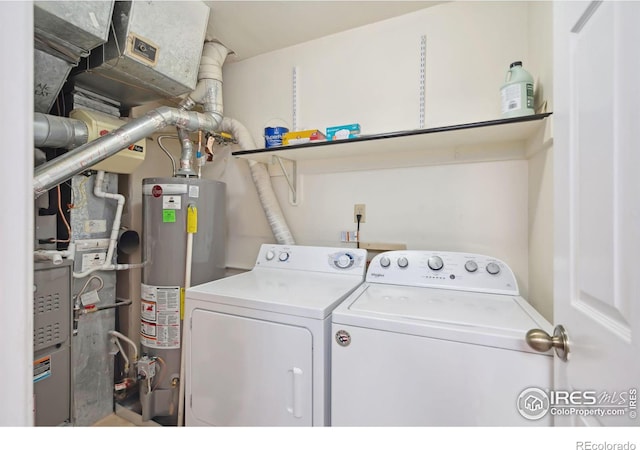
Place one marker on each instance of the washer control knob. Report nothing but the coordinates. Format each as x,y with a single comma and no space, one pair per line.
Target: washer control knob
344,261
435,263
385,261
270,255
403,262
493,268
471,266
283,256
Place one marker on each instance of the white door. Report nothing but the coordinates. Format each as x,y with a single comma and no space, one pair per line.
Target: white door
249,372
597,210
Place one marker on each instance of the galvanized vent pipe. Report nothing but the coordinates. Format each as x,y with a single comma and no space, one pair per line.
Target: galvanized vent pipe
82,158
208,93
58,132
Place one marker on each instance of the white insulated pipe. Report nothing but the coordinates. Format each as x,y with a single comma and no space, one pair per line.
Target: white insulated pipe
56,256
133,345
262,180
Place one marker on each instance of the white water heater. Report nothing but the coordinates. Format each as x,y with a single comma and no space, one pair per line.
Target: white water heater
172,209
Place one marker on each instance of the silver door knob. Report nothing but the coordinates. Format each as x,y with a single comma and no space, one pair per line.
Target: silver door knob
540,341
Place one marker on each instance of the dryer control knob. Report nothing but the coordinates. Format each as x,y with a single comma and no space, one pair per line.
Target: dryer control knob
403,262
385,261
270,255
493,268
471,266
435,263
344,261
283,256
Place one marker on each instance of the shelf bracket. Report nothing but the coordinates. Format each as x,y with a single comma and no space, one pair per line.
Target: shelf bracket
292,180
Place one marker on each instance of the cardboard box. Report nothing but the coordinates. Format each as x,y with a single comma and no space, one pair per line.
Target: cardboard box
302,136
350,131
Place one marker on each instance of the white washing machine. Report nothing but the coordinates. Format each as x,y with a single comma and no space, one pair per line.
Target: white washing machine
436,339
257,344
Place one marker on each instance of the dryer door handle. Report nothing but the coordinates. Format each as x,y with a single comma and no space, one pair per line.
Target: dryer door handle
296,389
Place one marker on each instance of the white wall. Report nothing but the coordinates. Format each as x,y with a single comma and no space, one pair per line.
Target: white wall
541,164
16,239
370,75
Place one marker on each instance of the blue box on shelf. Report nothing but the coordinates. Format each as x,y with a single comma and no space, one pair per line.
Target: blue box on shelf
350,131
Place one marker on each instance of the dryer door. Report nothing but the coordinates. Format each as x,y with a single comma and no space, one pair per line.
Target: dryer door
248,372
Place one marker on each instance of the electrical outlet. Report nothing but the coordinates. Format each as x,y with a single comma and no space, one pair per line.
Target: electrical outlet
359,209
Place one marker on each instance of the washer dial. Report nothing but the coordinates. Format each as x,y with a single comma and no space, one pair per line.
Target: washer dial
471,266
493,268
403,262
385,261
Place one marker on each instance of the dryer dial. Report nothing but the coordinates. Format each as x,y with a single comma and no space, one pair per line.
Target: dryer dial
270,255
283,256
435,263
343,261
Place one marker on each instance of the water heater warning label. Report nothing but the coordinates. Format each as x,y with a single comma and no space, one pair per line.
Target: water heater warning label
160,316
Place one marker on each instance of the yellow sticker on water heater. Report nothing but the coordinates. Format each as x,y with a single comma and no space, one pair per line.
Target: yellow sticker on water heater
192,219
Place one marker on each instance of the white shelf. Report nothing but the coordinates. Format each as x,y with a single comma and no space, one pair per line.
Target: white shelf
478,134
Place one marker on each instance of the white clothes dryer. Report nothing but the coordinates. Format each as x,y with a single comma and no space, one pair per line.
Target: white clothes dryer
437,339
257,344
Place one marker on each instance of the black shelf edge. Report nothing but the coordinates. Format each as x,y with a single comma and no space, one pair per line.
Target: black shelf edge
373,137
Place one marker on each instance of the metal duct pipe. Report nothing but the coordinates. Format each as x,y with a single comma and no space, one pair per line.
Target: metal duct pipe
58,132
39,157
82,158
208,93
186,156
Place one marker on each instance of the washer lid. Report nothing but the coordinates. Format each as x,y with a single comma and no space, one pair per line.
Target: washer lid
298,293
487,319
